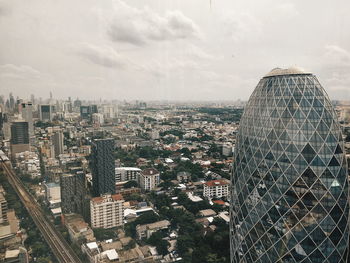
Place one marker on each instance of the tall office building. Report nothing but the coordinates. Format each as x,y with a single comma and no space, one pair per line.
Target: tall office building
19,137
11,102
84,112
73,191
27,115
87,111
57,140
45,112
103,166
290,188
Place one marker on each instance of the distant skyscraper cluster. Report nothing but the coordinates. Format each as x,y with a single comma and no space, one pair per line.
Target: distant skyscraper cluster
290,181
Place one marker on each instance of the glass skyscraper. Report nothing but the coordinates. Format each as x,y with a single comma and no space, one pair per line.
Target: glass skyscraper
103,166
289,197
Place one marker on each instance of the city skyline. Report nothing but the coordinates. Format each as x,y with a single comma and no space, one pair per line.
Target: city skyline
168,51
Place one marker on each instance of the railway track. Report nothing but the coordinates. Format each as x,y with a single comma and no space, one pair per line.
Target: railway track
55,240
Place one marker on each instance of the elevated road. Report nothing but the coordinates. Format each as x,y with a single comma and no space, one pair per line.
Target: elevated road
55,240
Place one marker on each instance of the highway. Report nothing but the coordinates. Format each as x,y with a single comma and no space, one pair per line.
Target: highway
57,243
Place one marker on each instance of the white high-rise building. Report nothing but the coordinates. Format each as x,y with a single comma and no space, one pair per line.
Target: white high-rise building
98,118
107,211
124,174
149,179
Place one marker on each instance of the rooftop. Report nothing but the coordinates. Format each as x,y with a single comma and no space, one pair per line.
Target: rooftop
150,171
216,182
100,199
288,71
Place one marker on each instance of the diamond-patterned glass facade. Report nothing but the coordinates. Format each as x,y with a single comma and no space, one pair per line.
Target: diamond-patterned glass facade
289,181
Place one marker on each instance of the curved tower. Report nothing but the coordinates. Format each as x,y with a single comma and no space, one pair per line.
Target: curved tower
289,198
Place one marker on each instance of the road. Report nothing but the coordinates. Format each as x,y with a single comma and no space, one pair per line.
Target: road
57,243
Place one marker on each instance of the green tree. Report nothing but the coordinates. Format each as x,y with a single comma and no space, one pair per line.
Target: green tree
103,234
130,184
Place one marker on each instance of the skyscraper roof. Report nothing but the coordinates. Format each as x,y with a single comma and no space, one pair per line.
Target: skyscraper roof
288,71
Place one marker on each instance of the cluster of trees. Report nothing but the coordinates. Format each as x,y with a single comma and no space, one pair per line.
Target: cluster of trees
103,234
195,169
157,240
193,207
192,244
129,157
225,114
44,125
145,218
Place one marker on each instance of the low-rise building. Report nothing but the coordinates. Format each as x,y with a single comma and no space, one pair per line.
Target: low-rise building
17,255
207,213
216,189
78,229
146,230
107,211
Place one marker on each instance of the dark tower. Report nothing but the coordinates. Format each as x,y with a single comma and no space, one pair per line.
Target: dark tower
103,166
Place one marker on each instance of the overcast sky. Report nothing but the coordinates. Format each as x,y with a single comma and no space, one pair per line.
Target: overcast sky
169,49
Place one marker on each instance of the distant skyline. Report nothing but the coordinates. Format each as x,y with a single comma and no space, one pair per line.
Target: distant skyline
168,50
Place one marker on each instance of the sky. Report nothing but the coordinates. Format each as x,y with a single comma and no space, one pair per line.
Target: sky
167,49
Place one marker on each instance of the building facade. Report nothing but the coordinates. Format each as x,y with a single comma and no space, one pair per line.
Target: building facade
107,211
58,143
45,112
19,137
103,166
149,179
86,112
27,115
53,194
290,188
216,189
3,208
73,192
124,174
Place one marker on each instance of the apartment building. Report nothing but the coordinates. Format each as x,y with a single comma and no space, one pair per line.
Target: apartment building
149,179
107,211
216,189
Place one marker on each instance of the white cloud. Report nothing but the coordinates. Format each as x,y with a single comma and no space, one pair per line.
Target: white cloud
139,26
337,57
336,68
11,71
284,10
101,55
198,53
240,26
